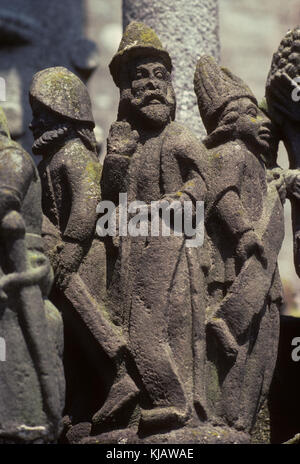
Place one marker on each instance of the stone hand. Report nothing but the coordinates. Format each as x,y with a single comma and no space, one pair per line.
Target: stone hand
277,176
292,181
122,140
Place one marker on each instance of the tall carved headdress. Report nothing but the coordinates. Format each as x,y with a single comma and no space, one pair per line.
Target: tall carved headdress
215,87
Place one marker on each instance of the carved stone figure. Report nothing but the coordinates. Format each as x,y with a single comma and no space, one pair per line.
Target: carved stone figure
62,126
155,289
32,380
245,228
282,95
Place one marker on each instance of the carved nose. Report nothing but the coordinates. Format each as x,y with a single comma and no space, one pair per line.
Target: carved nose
151,84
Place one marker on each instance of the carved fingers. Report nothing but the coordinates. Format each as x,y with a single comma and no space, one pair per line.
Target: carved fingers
122,140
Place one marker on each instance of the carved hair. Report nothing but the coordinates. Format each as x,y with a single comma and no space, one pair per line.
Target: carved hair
64,130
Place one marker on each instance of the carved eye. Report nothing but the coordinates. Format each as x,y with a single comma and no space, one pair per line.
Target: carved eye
139,74
252,112
159,74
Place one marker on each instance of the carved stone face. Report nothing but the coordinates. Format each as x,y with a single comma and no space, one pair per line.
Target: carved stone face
253,126
152,96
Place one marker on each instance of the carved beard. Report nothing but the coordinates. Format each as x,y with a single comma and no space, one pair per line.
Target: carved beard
49,139
153,108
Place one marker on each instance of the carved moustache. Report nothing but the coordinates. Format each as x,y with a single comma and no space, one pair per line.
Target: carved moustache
149,96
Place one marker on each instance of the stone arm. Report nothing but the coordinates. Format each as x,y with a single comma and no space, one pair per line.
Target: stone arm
180,144
121,144
228,206
16,174
231,212
82,178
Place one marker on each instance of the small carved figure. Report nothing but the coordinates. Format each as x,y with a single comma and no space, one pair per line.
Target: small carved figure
282,95
32,380
282,101
154,285
62,126
245,227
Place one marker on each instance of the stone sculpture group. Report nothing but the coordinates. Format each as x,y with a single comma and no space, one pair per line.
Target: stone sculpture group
163,342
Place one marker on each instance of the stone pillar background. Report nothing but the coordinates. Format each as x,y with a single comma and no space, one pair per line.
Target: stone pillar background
187,29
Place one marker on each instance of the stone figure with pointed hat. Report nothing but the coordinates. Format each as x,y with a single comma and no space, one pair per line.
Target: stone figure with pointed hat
32,380
245,228
70,172
154,285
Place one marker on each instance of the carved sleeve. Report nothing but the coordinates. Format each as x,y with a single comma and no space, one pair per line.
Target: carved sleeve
182,151
232,213
228,177
82,175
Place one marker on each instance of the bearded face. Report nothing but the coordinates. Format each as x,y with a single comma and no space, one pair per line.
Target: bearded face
150,93
46,128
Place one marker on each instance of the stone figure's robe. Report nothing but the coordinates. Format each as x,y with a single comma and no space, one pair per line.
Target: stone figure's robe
156,289
247,296
70,195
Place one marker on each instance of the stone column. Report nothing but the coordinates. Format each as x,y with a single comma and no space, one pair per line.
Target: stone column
187,29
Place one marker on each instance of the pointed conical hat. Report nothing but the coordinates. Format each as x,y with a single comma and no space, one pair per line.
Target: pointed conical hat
215,87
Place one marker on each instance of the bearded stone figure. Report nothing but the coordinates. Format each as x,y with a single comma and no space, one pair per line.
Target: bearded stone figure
245,229
154,284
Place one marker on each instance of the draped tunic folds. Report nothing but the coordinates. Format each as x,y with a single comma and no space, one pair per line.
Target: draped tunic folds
246,295
156,290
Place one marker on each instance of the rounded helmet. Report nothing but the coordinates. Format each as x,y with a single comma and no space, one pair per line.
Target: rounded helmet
63,92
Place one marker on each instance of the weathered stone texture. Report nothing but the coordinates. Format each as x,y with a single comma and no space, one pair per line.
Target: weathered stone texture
188,30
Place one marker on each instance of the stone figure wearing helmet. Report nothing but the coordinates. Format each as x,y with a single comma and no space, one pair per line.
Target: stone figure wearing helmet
70,172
